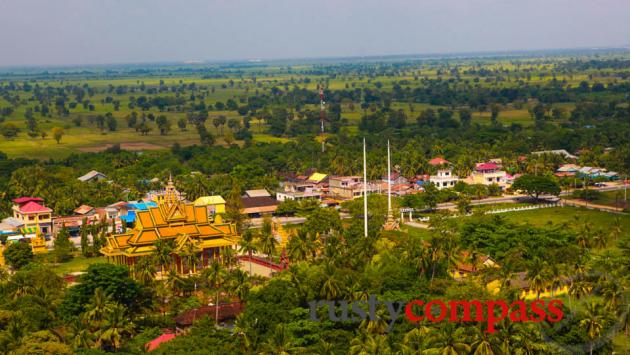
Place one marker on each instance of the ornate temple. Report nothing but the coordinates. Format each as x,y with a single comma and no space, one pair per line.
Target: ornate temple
173,219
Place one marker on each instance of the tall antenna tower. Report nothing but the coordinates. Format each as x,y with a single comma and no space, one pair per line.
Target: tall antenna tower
322,115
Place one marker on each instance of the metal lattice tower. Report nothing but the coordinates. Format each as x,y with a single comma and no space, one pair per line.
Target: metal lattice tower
322,115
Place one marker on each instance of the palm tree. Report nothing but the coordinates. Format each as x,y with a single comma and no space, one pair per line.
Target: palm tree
436,251
584,236
239,283
578,289
117,326
173,281
80,335
100,307
616,229
229,257
247,245
280,343
365,343
593,322
612,295
331,288
20,286
300,246
268,241
449,341
415,340
144,271
215,276
538,276
162,254
600,239
482,344
189,255
325,348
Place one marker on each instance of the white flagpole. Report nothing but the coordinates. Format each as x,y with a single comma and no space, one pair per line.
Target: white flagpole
365,209
389,181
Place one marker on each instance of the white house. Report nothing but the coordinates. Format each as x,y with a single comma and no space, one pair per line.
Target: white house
444,179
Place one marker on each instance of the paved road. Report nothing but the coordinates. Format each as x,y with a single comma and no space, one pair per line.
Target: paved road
518,198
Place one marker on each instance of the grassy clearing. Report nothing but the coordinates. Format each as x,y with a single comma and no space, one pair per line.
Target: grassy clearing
560,215
76,264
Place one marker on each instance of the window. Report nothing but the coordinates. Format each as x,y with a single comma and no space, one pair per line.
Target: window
31,218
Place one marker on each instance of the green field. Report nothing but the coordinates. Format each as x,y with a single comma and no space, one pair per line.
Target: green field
568,215
240,84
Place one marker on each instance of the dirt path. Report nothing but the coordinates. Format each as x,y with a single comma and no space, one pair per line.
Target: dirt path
581,203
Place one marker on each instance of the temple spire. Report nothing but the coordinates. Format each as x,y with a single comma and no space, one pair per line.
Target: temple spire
391,223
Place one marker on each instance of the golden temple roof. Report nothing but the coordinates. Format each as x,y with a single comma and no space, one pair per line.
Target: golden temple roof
171,219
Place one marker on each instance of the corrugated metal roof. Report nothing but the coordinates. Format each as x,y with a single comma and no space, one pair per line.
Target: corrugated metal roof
209,200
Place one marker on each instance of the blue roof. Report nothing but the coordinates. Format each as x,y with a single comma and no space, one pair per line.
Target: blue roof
130,217
141,206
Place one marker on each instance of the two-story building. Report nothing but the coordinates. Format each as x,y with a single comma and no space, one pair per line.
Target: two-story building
444,178
488,174
349,187
32,213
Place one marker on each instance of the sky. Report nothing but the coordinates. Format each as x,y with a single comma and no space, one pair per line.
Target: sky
77,32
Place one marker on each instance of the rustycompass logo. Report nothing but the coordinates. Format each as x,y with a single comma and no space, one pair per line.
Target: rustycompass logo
489,312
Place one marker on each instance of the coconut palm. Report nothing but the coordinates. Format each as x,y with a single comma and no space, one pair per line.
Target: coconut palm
593,322
616,229
280,343
163,254
415,340
324,348
190,255
268,241
247,245
332,286
229,257
239,283
612,294
365,343
215,275
300,246
81,337
144,271
100,307
584,236
449,341
117,327
481,345
599,239
538,276
173,281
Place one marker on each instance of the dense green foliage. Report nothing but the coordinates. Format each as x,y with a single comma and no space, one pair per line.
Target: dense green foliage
237,127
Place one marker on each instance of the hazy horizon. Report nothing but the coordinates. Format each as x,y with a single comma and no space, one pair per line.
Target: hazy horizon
92,32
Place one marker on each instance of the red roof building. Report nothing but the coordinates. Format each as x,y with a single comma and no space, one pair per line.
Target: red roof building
33,207
32,214
487,167
24,200
155,343
438,161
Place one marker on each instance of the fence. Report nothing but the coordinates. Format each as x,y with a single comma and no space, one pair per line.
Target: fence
503,210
